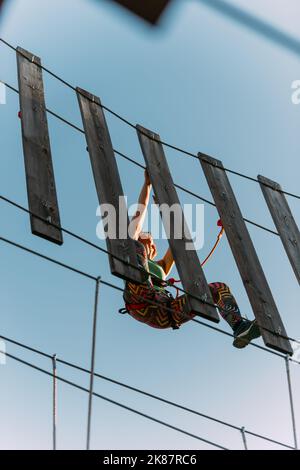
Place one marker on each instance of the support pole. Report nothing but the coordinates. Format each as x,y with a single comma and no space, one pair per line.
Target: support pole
288,373
92,373
54,367
243,432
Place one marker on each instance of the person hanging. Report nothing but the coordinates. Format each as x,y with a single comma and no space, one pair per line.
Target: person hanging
151,303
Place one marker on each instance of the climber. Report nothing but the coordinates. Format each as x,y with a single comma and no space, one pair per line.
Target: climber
170,312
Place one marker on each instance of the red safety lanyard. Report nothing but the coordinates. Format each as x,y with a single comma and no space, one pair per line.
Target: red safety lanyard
170,282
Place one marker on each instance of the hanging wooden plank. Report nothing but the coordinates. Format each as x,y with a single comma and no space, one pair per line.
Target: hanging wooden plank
109,187
283,220
187,261
42,198
256,285
149,11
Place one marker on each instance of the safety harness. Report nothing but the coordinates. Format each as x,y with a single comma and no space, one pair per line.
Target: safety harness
168,283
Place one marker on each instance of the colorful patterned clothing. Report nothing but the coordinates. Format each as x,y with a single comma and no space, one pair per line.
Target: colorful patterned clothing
169,312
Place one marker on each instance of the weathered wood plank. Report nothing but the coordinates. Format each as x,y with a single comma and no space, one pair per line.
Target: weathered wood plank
109,187
283,220
42,197
187,261
150,11
256,285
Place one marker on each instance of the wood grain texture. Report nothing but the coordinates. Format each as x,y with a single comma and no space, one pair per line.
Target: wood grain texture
187,261
253,277
283,220
108,186
41,189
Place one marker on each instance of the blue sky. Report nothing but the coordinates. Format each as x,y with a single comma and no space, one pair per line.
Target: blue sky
203,83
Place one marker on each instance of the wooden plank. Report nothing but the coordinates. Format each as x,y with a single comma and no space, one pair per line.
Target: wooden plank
150,11
108,186
187,261
42,198
256,285
283,220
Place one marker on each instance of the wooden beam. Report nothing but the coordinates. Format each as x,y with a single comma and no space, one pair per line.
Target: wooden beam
187,261
40,179
150,11
256,285
109,187
283,220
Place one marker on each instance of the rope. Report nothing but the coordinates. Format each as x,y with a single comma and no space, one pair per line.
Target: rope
171,281
215,245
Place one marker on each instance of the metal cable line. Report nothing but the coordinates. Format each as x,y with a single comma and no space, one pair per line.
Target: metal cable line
126,157
142,392
103,250
113,402
130,124
119,152
91,244
108,284
125,262
204,302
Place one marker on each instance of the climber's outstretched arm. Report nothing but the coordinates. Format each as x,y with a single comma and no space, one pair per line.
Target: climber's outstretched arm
137,221
167,262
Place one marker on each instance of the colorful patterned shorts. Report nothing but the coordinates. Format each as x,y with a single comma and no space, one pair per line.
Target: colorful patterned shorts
169,312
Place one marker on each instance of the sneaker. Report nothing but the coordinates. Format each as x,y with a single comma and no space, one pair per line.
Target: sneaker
245,333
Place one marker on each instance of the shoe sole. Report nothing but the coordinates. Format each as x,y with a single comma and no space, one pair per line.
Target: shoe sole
247,336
